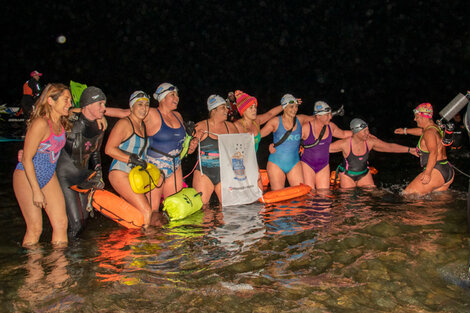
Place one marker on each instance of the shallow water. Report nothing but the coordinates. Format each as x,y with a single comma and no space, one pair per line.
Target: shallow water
348,251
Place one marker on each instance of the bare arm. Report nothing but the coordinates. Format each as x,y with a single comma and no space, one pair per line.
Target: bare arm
198,133
337,146
116,112
338,132
119,132
409,131
263,118
382,146
38,131
269,127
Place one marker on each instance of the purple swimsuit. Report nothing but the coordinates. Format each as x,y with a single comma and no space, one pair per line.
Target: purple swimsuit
319,156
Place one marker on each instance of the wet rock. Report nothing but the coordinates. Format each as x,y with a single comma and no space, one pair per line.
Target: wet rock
300,263
376,243
239,267
393,257
293,293
321,263
266,309
347,257
353,242
257,263
383,229
319,296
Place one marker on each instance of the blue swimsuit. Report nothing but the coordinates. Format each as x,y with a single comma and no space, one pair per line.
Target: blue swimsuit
287,153
45,159
133,144
165,147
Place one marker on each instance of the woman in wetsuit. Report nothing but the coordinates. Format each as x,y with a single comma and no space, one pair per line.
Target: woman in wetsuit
34,180
127,145
354,170
284,159
317,136
438,174
81,157
206,179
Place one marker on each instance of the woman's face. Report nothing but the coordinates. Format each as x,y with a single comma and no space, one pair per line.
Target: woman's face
140,109
62,104
220,112
250,113
291,109
171,100
324,119
363,134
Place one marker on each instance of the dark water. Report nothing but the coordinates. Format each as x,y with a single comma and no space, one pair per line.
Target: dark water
355,251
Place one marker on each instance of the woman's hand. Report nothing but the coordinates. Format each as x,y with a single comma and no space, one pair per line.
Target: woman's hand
425,178
39,200
399,131
272,149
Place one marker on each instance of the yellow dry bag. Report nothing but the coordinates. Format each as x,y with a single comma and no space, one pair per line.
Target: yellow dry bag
143,181
182,204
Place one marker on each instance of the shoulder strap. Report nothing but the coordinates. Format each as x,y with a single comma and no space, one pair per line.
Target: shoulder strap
145,140
322,133
286,135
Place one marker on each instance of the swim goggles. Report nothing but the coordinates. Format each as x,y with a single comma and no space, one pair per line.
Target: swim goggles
139,95
171,88
359,127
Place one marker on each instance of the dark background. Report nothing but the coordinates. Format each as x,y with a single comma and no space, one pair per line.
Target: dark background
378,58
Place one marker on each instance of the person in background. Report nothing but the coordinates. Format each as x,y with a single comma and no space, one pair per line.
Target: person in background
354,170
35,183
317,136
231,101
31,91
284,161
80,161
127,145
206,179
438,174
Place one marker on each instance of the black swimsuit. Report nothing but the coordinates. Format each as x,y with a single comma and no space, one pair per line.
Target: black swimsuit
209,157
355,166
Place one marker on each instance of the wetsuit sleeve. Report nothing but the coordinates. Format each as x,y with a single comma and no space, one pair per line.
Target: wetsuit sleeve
95,157
35,87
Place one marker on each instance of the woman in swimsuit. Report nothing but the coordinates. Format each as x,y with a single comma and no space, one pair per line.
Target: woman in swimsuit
34,180
284,161
315,158
127,145
438,174
206,179
166,136
354,171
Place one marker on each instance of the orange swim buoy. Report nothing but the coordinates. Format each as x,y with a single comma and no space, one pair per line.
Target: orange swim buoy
285,193
117,209
264,178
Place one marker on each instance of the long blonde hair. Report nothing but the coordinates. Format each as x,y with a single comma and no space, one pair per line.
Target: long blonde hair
42,107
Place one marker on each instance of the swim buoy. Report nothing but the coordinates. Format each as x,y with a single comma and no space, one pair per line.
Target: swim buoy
117,209
182,204
264,178
285,194
143,181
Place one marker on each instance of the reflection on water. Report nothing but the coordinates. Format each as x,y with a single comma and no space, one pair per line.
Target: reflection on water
342,251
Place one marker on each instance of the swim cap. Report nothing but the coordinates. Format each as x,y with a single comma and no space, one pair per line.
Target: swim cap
244,101
214,101
424,110
288,99
163,90
91,95
136,96
321,108
357,125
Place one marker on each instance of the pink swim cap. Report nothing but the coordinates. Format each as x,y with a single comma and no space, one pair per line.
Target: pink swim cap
424,110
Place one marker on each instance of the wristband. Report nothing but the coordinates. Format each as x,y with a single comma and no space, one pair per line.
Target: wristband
409,149
404,132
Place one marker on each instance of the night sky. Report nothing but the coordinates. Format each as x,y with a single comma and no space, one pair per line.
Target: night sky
378,58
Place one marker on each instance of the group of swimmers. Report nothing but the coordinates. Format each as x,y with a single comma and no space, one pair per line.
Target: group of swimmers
156,135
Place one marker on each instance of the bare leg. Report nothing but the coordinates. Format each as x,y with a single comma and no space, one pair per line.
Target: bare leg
416,186
55,209
309,175
203,184
366,181
277,178
120,182
295,175
31,213
322,178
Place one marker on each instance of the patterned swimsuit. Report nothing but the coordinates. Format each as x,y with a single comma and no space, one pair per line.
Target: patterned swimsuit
45,159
